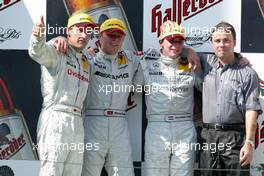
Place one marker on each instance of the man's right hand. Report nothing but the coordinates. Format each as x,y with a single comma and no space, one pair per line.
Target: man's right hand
61,44
39,28
194,61
91,51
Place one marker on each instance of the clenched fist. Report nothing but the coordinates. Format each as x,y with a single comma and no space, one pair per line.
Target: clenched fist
39,28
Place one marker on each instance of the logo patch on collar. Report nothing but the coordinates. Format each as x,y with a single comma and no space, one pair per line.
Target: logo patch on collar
183,68
85,64
122,60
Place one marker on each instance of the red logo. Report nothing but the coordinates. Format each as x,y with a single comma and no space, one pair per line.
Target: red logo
7,3
180,11
12,148
77,75
109,112
259,137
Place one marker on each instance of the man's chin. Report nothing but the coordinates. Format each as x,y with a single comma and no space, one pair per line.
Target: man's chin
82,45
220,55
116,49
79,47
174,54
114,52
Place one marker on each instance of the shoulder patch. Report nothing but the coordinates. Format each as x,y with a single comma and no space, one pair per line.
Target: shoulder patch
152,54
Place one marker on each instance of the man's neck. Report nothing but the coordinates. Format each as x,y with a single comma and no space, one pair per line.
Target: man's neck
167,56
227,60
107,53
78,50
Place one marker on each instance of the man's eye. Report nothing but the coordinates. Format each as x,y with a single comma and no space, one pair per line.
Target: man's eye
80,29
217,41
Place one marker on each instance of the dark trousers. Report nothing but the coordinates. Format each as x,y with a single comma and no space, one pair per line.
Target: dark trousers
220,151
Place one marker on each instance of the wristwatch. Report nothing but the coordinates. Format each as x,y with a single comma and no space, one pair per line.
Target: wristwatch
251,142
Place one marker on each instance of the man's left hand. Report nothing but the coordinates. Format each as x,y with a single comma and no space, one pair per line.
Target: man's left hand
246,154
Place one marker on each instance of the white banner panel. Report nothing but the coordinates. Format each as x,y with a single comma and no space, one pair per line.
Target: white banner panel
19,167
197,16
17,18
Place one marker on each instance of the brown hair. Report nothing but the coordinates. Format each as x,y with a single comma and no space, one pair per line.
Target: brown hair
224,26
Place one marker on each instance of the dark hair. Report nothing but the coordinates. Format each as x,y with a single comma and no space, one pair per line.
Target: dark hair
227,27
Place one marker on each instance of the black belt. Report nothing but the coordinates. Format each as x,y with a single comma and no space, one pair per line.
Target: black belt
222,126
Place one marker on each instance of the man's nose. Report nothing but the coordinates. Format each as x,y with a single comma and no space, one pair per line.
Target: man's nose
83,34
221,43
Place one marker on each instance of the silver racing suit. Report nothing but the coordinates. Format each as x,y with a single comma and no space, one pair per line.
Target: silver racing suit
64,84
105,123
169,85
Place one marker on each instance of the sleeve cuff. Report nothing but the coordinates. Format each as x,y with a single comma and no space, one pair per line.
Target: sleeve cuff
254,108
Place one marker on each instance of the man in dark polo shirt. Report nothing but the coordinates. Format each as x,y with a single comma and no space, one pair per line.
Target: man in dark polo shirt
230,108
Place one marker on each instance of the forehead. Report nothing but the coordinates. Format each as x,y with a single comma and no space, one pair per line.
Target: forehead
176,38
82,25
114,32
221,33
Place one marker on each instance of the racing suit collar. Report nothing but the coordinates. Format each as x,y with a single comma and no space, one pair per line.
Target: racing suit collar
74,52
169,61
102,54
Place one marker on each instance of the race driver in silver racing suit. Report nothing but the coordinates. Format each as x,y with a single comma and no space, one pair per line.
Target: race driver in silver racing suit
169,99
64,84
111,80
105,122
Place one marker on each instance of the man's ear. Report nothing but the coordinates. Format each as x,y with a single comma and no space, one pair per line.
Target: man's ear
68,32
161,43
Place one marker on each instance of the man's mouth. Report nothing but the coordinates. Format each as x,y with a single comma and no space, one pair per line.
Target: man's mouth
174,50
115,45
81,40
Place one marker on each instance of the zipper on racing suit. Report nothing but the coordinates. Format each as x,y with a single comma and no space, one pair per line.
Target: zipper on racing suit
79,82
